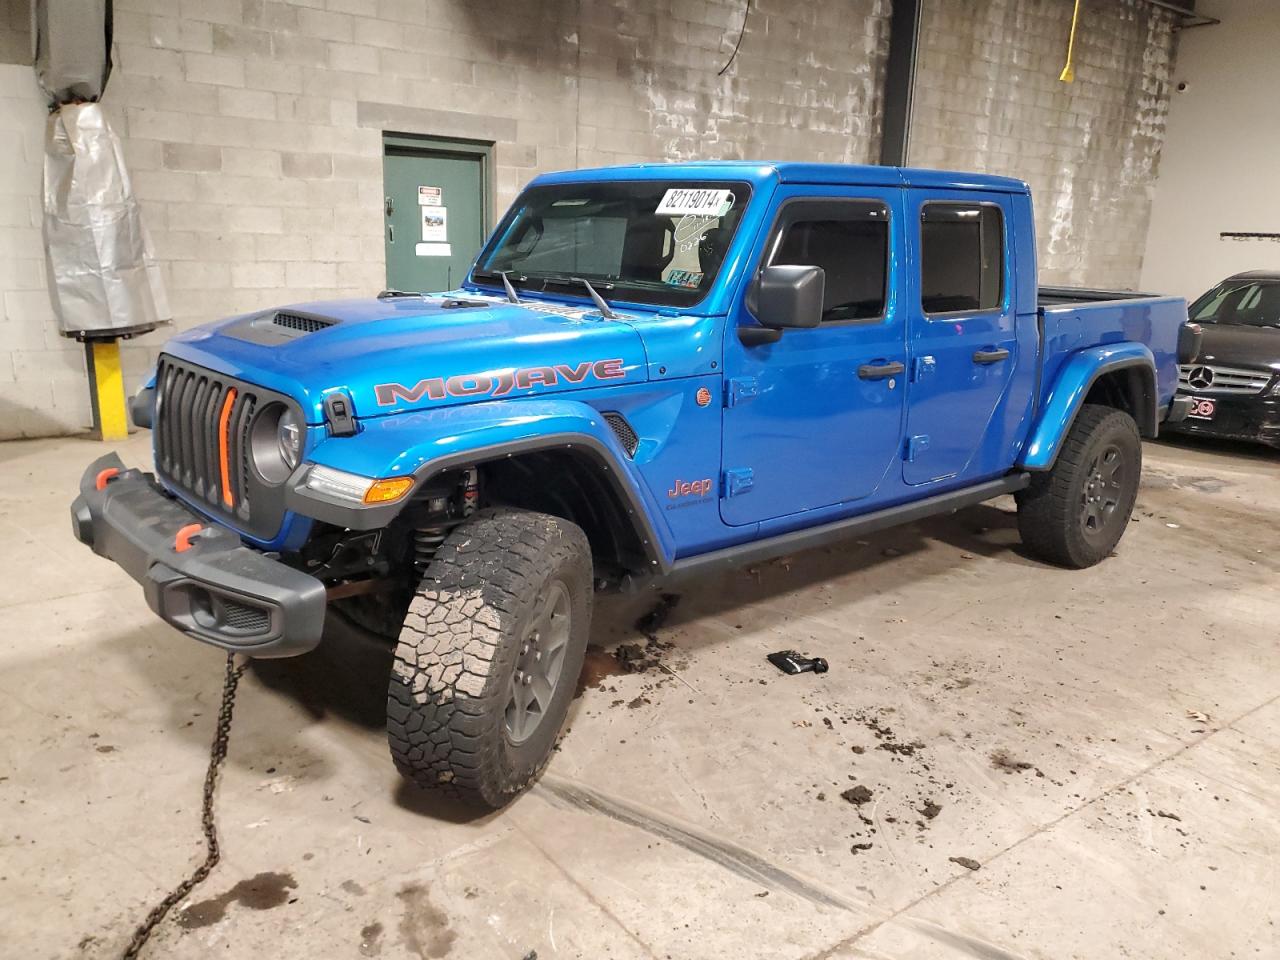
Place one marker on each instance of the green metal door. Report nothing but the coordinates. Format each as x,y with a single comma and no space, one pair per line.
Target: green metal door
435,212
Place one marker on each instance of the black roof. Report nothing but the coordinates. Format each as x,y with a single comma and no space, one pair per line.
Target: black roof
1256,275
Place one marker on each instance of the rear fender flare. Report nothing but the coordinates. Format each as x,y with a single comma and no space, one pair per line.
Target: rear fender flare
423,444
1077,375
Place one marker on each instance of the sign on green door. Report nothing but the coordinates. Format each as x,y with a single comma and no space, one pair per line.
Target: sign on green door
434,212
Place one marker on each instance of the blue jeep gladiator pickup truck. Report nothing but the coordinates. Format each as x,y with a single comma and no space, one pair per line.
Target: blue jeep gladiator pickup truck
651,372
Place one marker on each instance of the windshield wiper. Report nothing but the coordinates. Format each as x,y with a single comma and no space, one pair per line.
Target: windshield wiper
601,304
506,285
504,276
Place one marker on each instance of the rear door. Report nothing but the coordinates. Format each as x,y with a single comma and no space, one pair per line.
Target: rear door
815,418
963,343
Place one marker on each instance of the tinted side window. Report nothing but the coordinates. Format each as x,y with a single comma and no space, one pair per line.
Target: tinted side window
850,242
961,257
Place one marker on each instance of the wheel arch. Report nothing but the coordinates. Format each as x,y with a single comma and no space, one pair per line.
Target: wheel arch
1122,376
591,489
571,460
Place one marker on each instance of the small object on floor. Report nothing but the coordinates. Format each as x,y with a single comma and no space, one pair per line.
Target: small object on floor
967,862
788,661
857,795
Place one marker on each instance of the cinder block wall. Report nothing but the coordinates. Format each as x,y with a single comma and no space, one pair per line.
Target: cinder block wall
989,99
252,129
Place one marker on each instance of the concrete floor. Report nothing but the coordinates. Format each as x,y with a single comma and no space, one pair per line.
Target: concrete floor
1103,743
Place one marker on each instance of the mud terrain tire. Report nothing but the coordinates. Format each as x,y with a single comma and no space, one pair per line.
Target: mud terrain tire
489,656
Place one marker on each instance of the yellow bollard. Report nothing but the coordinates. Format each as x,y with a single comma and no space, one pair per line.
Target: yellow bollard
106,389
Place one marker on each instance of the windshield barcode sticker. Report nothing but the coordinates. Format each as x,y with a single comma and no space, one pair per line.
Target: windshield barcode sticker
680,201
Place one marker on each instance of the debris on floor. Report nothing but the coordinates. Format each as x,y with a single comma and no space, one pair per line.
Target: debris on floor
967,862
1003,760
789,661
653,621
857,795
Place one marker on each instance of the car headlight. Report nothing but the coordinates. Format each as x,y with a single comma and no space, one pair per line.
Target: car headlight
276,442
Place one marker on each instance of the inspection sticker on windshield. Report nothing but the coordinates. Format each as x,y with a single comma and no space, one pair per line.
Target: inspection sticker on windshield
679,201
689,279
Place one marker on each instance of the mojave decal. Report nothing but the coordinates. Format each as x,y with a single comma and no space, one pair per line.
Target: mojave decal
498,384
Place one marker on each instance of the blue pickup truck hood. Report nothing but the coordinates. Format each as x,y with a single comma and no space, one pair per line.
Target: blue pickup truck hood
416,353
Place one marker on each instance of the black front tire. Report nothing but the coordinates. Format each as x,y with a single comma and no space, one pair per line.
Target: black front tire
489,656
1076,513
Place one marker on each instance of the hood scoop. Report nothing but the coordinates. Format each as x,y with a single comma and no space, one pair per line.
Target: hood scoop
278,326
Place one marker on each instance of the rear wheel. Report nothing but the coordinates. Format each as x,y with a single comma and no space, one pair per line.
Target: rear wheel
489,654
1075,514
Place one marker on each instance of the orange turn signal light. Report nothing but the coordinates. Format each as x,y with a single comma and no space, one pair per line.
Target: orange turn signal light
384,491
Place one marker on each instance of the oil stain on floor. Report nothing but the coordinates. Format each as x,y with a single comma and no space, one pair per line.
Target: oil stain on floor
261,892
424,928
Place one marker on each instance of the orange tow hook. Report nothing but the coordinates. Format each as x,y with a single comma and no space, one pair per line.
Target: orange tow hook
182,539
104,477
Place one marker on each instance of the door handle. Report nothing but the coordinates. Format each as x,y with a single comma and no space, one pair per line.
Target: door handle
991,356
879,371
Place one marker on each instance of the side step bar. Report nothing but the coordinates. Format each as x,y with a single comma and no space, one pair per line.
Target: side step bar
808,539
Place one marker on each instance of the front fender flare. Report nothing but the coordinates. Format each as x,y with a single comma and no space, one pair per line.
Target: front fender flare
1076,376
425,443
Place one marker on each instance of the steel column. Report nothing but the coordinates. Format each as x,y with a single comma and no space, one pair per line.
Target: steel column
900,82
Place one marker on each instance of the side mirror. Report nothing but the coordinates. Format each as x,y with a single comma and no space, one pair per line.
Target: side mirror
789,297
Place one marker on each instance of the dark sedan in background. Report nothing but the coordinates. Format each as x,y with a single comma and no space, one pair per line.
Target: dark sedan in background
1235,382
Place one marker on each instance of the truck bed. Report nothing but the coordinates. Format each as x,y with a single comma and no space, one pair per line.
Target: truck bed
1062,296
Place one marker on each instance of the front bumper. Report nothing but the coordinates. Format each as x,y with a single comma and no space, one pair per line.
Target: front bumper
1251,418
214,589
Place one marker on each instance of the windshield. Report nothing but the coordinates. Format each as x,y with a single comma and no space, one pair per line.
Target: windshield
1253,303
656,242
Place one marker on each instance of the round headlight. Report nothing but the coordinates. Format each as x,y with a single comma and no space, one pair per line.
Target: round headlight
289,438
277,437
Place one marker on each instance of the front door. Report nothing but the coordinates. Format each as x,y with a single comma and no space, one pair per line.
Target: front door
434,207
815,418
963,343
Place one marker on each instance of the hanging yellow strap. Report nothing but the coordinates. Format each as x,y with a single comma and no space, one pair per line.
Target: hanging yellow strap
1068,74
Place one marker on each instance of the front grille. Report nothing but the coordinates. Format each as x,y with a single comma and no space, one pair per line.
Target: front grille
301,322
623,431
202,436
1210,378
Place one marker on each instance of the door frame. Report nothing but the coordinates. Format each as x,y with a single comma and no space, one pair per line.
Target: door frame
429,146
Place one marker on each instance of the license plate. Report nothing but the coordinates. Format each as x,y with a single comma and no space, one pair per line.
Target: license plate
1203,409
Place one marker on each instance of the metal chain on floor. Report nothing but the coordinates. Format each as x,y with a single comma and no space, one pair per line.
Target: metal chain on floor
217,753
